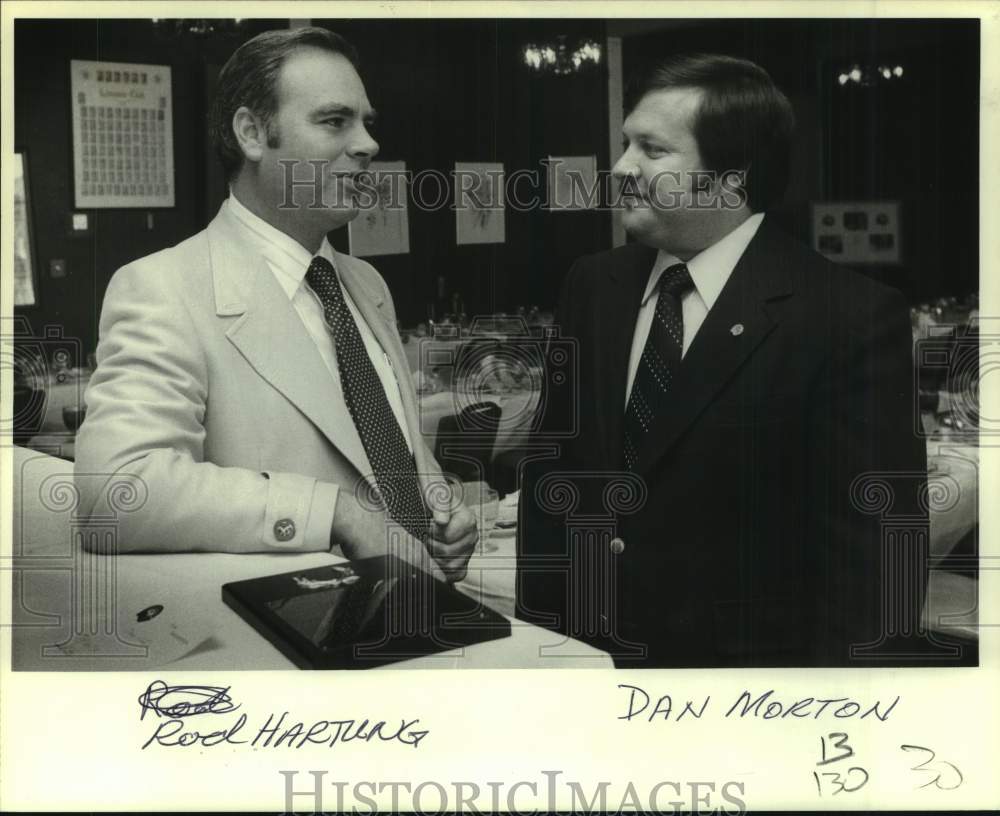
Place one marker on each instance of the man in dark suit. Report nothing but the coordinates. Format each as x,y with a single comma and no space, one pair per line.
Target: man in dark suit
743,413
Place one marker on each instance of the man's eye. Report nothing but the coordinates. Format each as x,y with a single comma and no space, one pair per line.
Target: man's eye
653,151
336,121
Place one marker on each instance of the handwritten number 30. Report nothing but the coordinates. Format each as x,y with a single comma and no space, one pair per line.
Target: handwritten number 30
936,781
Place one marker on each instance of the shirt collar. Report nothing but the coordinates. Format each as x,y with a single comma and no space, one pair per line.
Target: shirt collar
710,268
282,251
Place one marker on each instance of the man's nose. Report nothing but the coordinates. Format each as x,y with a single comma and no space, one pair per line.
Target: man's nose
624,167
364,146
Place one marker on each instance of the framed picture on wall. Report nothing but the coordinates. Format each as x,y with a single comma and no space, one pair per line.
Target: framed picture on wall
123,143
25,263
857,232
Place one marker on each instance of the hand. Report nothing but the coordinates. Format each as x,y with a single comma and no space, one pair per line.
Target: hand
453,538
361,533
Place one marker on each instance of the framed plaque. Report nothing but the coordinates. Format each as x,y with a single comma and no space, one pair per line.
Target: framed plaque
859,232
479,203
123,148
385,228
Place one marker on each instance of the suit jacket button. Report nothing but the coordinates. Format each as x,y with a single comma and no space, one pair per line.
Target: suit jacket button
617,546
284,529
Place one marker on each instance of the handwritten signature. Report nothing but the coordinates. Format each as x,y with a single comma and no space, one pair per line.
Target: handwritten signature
175,702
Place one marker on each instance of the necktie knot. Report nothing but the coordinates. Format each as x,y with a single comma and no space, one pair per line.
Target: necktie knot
320,274
676,280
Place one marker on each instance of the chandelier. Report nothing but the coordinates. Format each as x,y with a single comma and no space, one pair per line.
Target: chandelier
196,29
869,75
561,57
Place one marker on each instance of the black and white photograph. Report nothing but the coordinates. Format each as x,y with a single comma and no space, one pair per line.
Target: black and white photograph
647,348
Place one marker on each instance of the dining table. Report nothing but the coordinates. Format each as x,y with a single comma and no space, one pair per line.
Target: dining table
64,390
79,610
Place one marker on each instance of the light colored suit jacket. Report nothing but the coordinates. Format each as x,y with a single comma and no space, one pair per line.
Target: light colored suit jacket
212,421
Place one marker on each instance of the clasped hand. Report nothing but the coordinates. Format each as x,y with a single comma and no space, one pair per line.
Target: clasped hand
453,538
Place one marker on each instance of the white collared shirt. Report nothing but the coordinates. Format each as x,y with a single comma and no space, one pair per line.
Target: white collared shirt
710,269
289,261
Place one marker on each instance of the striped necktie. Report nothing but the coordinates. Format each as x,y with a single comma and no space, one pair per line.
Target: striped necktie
661,357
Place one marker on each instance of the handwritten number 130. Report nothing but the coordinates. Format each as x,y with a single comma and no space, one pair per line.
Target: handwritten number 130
841,783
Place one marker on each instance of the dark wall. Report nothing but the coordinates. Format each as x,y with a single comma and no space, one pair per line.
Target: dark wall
43,128
446,91
457,90
915,140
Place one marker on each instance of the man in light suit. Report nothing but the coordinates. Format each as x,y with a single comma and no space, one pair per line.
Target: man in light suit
250,380
749,397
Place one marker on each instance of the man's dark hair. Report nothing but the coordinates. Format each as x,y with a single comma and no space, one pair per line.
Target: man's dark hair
743,122
250,77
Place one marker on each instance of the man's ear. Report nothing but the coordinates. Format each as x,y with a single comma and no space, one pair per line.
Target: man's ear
250,133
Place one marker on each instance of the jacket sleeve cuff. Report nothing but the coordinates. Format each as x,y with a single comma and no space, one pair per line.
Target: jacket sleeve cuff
324,504
299,513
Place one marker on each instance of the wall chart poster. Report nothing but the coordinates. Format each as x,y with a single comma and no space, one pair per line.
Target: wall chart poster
123,149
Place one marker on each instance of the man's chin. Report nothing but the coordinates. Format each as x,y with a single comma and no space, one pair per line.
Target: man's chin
635,223
338,217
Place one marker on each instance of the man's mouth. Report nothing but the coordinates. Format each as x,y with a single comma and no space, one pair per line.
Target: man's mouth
351,178
346,179
362,189
632,199
630,195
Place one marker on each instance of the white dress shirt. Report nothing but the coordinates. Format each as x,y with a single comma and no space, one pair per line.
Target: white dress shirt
710,269
289,261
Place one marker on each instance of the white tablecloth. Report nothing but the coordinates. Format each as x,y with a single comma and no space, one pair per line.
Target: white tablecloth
953,483
65,601
198,631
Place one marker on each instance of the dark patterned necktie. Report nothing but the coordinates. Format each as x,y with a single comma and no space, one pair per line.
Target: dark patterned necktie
660,360
393,465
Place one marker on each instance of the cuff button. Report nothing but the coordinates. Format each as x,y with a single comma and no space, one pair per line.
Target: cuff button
284,529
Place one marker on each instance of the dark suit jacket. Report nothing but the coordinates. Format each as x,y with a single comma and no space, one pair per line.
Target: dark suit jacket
751,532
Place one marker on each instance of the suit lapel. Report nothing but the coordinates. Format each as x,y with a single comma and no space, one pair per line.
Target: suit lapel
271,337
617,306
733,329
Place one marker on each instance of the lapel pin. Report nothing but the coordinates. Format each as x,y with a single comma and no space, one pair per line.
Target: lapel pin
736,329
